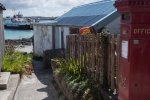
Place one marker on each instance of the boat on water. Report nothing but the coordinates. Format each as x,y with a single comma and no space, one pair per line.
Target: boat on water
18,22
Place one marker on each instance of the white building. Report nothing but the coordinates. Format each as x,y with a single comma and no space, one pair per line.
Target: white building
97,15
1,34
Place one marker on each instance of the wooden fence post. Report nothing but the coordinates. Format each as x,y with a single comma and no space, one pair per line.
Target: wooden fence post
96,54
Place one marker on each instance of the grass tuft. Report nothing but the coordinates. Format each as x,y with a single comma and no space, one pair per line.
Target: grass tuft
15,62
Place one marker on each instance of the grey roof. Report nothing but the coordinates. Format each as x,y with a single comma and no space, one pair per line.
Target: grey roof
2,7
90,14
49,22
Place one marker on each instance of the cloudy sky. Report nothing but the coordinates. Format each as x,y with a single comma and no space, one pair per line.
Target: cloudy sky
41,7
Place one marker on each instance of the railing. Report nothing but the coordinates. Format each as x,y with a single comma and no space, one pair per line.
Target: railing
98,56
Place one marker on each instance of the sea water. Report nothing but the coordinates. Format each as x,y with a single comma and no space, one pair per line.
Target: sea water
17,34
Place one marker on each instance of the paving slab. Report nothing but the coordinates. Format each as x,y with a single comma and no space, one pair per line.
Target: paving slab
8,94
37,86
4,78
14,81
4,94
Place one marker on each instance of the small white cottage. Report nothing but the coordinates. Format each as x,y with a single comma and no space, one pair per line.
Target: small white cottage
1,34
98,15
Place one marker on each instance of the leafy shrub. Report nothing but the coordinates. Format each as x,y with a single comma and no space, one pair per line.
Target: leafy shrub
72,72
15,62
70,66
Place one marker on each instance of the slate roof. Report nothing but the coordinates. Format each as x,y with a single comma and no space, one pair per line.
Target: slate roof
2,7
95,14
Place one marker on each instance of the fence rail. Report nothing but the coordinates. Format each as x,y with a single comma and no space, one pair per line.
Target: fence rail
97,55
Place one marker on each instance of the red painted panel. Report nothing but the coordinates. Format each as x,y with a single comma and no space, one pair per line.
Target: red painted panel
145,67
134,72
140,31
136,52
125,30
142,18
124,70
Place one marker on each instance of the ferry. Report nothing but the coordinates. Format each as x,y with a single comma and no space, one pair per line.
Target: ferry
18,22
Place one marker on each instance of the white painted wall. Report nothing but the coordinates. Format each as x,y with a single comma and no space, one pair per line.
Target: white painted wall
114,26
42,39
57,38
66,32
1,39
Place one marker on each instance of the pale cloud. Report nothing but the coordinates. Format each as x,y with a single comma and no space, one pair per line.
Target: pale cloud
42,7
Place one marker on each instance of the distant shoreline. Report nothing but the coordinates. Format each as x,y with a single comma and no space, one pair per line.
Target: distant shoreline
23,41
24,45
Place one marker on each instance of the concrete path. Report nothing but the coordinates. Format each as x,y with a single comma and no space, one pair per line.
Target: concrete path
38,86
8,94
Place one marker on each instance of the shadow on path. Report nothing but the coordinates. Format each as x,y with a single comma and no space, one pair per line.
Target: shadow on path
45,77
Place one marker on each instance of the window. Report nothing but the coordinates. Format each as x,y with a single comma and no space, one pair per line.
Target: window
74,30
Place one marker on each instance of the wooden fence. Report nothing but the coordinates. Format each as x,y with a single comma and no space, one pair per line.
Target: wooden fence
98,56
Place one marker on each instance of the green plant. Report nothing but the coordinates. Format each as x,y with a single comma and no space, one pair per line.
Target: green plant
15,62
70,66
71,70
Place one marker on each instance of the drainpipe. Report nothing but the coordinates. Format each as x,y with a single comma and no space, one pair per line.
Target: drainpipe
62,38
53,37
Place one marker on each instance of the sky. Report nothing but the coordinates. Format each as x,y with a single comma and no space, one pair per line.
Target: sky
47,8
